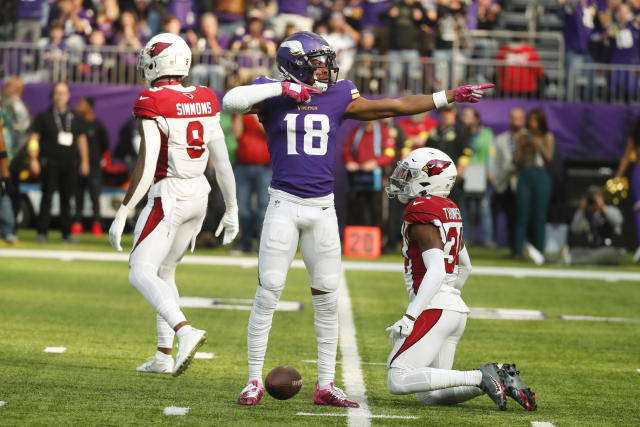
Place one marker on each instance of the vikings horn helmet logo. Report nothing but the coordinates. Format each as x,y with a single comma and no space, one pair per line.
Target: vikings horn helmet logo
435,167
157,48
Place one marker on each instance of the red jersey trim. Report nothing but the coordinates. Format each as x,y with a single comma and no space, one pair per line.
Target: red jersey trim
154,218
425,322
163,158
145,112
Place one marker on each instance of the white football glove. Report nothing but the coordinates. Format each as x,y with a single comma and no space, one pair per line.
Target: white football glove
401,329
230,224
117,227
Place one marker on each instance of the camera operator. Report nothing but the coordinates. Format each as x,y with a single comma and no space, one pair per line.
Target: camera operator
596,229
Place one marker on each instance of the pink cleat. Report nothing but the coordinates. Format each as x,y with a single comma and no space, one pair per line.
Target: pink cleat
333,396
251,394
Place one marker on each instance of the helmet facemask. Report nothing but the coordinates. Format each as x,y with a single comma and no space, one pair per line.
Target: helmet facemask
400,182
310,66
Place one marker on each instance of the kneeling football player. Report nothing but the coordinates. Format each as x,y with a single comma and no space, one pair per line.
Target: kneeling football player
436,267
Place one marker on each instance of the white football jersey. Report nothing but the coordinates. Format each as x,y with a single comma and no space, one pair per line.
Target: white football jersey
187,118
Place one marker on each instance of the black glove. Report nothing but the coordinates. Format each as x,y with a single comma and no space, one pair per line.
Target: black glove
6,187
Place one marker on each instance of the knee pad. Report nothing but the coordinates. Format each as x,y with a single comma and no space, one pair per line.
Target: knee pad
326,282
394,382
272,280
140,271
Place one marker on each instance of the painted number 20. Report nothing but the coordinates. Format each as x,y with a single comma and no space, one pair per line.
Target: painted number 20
315,139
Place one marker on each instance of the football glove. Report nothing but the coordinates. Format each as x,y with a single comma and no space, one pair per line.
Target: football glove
297,92
401,329
117,227
230,224
471,93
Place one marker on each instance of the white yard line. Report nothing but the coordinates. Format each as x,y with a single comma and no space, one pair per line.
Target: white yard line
397,417
541,424
250,262
351,369
175,410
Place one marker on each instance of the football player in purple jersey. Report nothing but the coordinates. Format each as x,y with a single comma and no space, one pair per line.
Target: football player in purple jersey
301,114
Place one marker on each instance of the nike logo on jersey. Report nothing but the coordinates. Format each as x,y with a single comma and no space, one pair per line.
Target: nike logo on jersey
142,98
417,203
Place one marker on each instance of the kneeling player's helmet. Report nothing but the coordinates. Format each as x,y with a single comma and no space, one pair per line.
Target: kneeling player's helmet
295,54
425,171
164,55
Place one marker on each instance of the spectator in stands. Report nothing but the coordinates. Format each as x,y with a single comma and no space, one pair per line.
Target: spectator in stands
28,26
416,128
368,73
253,42
624,42
374,18
76,22
632,155
483,15
172,25
57,149
596,231
504,174
523,74
291,12
478,194
406,17
319,10
54,52
208,70
98,141
186,11
451,25
353,13
150,15
230,14
253,175
128,35
579,21
534,151
7,218
107,18
368,148
344,40
94,67
452,138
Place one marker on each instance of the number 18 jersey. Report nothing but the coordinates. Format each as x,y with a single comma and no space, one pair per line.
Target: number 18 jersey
186,117
445,216
302,138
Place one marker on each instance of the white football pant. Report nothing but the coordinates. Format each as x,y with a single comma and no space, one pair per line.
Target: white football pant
312,223
422,362
157,249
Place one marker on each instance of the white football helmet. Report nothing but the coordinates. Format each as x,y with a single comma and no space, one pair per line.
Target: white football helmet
164,55
425,171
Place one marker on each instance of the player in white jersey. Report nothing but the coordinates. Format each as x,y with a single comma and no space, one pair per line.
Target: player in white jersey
436,267
180,129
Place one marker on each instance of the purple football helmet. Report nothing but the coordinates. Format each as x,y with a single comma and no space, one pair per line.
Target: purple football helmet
294,59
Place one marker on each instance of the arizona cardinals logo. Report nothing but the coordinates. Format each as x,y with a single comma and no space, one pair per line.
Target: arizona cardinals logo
435,167
157,48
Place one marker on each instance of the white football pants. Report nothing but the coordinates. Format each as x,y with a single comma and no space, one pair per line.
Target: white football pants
312,223
164,231
422,362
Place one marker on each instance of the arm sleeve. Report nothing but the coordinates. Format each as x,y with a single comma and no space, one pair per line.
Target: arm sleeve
241,99
152,150
434,261
464,268
224,172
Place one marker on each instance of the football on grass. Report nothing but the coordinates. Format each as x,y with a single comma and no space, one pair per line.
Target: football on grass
283,382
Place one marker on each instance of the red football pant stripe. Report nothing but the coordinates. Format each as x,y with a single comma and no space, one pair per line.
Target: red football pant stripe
423,325
154,218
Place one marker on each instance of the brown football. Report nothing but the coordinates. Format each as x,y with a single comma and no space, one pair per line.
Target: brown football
283,382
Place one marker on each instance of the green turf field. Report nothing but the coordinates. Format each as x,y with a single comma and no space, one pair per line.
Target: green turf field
583,373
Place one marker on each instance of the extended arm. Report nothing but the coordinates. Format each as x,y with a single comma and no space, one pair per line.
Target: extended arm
368,109
141,178
224,175
245,99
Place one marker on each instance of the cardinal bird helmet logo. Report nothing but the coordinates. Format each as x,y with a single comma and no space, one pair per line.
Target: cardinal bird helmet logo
435,167
157,48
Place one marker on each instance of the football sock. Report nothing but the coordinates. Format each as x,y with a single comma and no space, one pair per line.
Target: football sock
144,278
165,333
326,322
184,331
401,381
260,320
449,396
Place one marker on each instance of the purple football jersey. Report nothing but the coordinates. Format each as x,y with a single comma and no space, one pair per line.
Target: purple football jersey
302,138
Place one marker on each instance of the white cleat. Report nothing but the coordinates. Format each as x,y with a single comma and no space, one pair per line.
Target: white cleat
157,365
187,347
